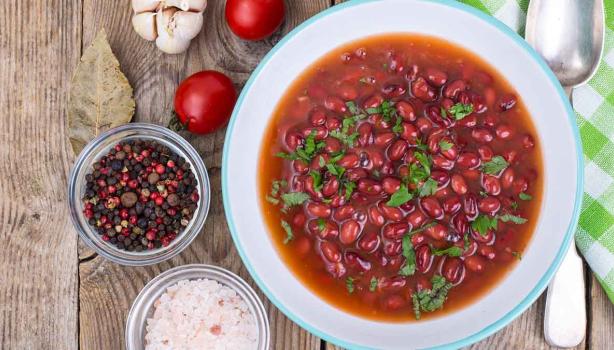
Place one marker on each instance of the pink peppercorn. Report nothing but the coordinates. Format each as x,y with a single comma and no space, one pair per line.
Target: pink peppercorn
160,169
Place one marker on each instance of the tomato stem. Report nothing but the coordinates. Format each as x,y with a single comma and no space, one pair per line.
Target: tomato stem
175,123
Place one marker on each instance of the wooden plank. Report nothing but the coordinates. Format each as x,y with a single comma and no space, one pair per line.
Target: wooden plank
106,289
601,318
38,283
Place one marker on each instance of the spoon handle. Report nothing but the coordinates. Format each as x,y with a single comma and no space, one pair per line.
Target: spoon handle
565,316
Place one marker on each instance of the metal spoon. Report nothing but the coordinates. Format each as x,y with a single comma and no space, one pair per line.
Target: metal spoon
569,35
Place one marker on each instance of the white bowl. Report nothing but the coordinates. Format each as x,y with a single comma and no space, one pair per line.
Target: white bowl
503,49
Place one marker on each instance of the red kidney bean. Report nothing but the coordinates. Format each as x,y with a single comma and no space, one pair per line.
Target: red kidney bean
408,207
452,152
349,231
356,174
315,162
300,166
369,187
392,248
437,232
332,145
356,262
424,258
463,97
318,210
528,142
373,101
423,283
507,102
510,155
453,88
317,117
441,162
380,122
406,111
384,139
443,193
299,220
469,121
376,158
441,177
487,251
489,205
422,90
350,160
434,114
395,230
471,249
460,223
416,218
491,120
504,132
412,72
335,104
347,91
431,207
337,270
491,185
418,239
409,133
451,204
487,238
468,160
459,185
432,142
391,283
393,90
387,168
375,216
520,185
470,206
369,242
475,263
298,183
293,140
320,132
309,188
477,101
330,251
423,124
485,153
365,134
472,174
436,77
391,213
390,184
328,230
360,216
393,302
507,178
330,187
397,150
333,123
344,212
453,270
482,135
336,200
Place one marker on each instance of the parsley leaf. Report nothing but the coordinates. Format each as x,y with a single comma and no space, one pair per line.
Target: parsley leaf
321,224
373,284
294,198
445,145
317,180
466,242
430,300
400,197
398,128
277,185
306,151
349,284
424,160
409,267
517,255
386,109
421,146
348,140
514,205
525,197
495,165
453,251
352,107
336,170
420,229
512,218
460,111
272,200
443,112
334,159
288,229
349,189
428,188
482,224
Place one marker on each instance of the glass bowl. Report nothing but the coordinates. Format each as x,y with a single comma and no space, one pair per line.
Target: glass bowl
99,147
143,305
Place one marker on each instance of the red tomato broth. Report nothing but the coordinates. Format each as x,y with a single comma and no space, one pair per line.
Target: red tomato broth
346,72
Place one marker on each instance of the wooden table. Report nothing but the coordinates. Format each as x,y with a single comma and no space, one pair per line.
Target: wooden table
56,293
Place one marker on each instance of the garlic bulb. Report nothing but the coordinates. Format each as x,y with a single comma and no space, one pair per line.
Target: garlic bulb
171,23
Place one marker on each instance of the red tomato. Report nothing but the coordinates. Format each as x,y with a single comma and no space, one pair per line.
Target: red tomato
254,19
204,101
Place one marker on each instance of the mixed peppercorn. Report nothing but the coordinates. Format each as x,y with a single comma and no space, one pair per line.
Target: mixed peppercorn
140,195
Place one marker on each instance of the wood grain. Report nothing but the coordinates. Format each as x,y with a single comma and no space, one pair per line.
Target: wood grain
601,318
107,290
38,281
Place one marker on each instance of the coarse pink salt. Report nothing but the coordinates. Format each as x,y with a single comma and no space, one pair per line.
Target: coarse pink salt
201,314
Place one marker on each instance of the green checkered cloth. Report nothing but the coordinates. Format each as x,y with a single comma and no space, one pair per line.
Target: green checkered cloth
594,107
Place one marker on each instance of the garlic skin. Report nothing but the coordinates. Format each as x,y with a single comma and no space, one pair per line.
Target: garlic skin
144,25
171,23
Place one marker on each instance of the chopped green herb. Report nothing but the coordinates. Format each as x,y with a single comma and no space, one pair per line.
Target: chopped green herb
294,198
466,242
336,170
349,284
514,206
444,115
306,151
288,229
495,165
289,156
420,229
321,224
321,161
373,284
512,218
453,251
310,143
525,197
386,109
421,146
483,194
398,128
334,159
272,200
517,255
417,174
364,80
317,180
352,107
424,160
349,189
460,111
482,224
409,267
445,145
276,186
346,139
400,197
430,300
428,188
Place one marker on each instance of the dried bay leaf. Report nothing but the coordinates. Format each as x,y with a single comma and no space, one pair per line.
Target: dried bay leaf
100,94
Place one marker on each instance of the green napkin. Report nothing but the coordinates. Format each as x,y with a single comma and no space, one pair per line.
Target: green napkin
594,107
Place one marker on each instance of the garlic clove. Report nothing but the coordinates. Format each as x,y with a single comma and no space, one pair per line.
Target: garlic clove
140,6
187,24
167,41
172,45
187,5
144,25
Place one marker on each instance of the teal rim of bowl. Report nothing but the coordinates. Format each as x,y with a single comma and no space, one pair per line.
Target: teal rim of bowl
543,282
